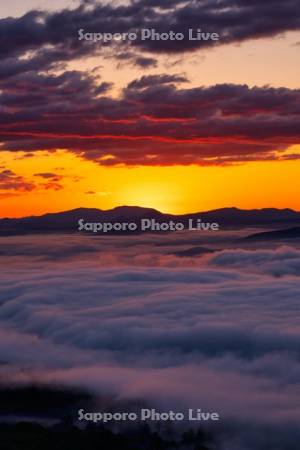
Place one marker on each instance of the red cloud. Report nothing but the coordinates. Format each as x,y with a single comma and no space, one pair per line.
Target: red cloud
153,122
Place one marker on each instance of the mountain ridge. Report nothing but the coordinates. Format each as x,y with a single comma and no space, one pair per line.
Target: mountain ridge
141,208
281,234
231,217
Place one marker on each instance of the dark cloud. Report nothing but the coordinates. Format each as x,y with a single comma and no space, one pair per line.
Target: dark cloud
147,81
153,122
10,181
103,88
53,180
235,22
49,175
144,62
129,57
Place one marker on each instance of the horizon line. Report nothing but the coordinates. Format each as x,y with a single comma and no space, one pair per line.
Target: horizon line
152,209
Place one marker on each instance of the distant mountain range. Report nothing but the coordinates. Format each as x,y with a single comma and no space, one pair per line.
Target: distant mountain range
289,233
226,217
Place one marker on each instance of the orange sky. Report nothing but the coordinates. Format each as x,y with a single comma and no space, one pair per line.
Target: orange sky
177,189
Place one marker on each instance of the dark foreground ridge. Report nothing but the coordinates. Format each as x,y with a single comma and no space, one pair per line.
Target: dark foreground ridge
46,404
66,436
227,218
49,422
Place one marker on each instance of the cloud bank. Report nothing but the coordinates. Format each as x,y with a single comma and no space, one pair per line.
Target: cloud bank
222,334
220,124
154,121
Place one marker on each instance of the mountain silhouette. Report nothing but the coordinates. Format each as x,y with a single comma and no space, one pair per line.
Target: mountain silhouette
289,233
67,221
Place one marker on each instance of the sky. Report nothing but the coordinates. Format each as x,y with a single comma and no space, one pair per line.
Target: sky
179,126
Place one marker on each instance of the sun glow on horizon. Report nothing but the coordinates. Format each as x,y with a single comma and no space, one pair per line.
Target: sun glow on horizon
170,189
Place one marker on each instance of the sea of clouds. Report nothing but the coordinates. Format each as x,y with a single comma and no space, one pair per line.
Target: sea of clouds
126,317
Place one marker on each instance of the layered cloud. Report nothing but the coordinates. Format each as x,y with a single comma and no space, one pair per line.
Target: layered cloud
57,32
279,262
134,325
154,122
10,181
222,334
